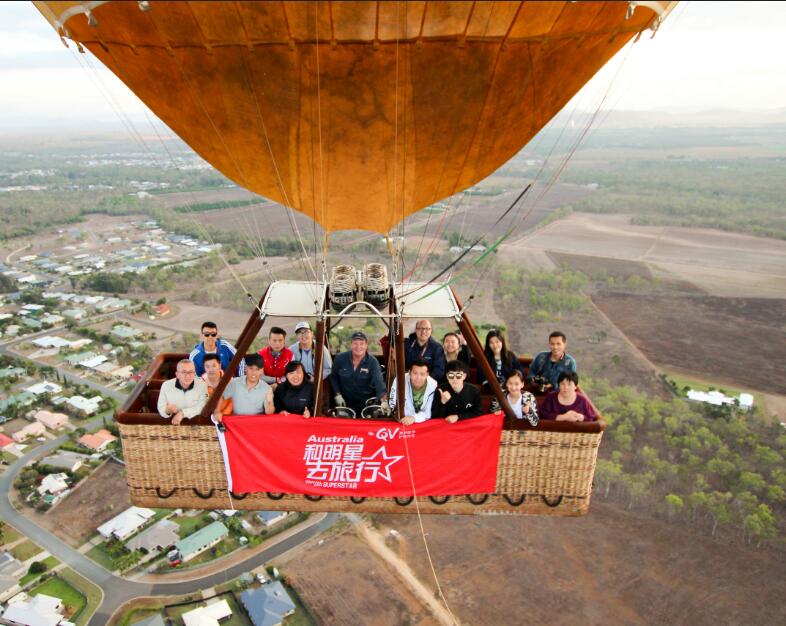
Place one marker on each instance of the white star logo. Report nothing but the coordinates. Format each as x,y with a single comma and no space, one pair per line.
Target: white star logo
391,460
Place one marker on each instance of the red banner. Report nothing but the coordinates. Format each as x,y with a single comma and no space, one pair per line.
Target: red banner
341,457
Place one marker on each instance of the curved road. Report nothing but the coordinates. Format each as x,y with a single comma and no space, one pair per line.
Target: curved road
118,590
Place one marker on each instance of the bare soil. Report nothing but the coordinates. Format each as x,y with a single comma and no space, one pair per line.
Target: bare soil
720,263
98,499
344,582
609,567
740,340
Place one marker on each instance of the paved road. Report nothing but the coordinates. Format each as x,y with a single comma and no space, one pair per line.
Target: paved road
118,590
4,349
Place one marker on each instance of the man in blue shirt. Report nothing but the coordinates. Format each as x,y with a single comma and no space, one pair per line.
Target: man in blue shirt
356,377
550,364
212,344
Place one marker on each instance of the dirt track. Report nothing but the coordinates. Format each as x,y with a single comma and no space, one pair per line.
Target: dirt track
610,567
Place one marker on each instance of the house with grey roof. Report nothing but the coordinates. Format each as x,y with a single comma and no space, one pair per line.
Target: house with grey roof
65,460
268,605
159,536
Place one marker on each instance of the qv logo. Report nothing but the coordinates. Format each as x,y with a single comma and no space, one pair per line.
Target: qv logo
386,434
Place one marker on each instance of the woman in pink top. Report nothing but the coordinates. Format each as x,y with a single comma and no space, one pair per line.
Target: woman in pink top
566,404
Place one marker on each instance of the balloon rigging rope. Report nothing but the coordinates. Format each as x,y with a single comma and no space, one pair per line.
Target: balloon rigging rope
424,260
321,157
552,181
95,77
423,535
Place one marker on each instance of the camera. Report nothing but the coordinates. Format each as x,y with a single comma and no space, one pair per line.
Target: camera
540,382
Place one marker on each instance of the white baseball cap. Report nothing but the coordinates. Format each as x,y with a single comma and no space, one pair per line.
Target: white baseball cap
302,325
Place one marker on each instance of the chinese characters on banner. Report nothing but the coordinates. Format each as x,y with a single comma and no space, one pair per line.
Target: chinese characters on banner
328,456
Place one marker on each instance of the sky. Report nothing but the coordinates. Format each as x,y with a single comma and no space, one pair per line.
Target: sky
707,55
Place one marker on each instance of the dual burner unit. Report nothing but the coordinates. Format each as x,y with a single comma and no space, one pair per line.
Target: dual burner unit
348,285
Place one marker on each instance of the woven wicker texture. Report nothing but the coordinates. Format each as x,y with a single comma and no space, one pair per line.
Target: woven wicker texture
539,473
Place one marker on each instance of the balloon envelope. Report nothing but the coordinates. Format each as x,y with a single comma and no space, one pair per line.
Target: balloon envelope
357,114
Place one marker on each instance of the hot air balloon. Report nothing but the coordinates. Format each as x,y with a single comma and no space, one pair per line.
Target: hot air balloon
356,114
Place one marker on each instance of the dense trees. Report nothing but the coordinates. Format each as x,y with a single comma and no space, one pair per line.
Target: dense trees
684,461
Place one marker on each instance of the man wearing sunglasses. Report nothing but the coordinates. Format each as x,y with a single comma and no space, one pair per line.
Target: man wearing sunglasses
456,399
212,344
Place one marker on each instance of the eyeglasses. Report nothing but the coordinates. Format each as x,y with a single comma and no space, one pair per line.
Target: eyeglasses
187,372
423,328
210,334
454,375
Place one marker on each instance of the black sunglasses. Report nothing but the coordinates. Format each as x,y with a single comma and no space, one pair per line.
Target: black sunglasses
210,334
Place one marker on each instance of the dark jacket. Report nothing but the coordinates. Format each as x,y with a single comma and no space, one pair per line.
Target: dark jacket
509,365
466,404
293,399
357,385
432,353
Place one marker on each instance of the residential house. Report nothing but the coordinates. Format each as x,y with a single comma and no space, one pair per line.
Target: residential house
97,441
201,540
127,523
84,406
11,570
52,319
94,362
12,330
53,421
75,359
44,387
33,324
75,313
12,372
163,309
268,518
160,536
65,459
268,605
210,615
36,429
716,398
54,484
124,332
40,610
51,341
125,372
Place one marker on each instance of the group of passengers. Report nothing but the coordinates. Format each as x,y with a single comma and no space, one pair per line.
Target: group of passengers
281,379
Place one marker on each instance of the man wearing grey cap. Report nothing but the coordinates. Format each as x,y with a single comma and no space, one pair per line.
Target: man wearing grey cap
356,377
303,351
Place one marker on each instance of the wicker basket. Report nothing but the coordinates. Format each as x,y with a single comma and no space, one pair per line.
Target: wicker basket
540,472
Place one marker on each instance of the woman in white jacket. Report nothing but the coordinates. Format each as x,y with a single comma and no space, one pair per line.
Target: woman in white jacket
420,389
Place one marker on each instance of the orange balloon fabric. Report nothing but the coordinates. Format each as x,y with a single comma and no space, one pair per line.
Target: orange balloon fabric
357,114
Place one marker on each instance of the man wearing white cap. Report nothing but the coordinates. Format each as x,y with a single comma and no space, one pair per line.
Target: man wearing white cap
303,349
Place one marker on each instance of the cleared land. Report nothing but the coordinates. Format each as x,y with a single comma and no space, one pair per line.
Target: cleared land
610,567
720,263
102,496
343,582
741,341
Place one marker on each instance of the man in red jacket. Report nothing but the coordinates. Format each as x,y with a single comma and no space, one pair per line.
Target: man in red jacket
275,356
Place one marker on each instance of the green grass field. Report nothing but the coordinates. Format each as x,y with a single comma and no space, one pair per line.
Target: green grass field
25,550
102,557
50,562
10,534
91,592
72,598
189,525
